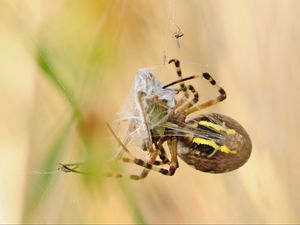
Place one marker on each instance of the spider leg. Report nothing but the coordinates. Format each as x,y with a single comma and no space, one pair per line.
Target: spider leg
179,74
191,102
181,101
183,87
196,107
195,94
181,81
210,102
147,165
74,167
162,154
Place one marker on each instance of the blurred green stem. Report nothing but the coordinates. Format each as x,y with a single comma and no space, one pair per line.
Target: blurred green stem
44,63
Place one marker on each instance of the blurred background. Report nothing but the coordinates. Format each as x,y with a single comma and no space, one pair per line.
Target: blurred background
67,66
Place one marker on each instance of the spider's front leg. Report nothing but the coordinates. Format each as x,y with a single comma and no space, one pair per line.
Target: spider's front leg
179,74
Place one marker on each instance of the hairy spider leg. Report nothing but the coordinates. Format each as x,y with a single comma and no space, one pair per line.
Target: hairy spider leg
189,103
208,103
183,87
179,74
211,102
151,165
147,165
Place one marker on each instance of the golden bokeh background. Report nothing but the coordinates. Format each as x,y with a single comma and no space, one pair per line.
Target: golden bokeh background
67,65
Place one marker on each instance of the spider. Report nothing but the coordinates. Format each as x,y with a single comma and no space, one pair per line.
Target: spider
212,142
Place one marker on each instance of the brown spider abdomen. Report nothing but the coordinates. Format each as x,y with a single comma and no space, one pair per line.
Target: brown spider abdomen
217,156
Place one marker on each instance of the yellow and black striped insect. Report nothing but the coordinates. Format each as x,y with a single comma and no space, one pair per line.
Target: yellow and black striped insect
160,114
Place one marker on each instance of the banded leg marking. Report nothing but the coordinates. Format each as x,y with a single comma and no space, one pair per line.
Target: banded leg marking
153,164
193,101
211,102
162,154
179,74
147,165
195,94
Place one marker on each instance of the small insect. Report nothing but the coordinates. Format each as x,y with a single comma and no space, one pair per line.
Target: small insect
178,34
159,114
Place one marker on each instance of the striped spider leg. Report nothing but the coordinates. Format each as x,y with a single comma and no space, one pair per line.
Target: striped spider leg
183,87
193,105
210,102
179,74
152,164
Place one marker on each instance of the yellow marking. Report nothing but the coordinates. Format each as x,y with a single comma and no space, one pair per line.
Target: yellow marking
216,127
214,145
227,150
230,131
206,142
